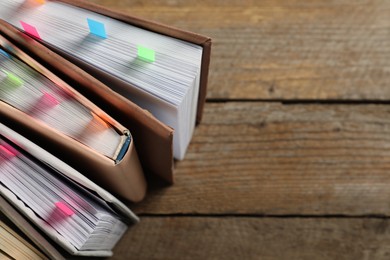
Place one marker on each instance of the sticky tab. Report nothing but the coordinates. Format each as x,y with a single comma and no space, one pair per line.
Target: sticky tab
40,2
99,119
4,53
6,151
64,208
97,28
48,101
12,79
146,54
30,29
44,103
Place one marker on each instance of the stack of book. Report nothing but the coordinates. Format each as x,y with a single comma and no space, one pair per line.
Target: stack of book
14,246
91,101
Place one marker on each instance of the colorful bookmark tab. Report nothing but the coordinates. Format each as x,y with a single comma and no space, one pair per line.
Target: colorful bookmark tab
97,28
64,208
45,102
30,29
48,101
39,2
4,53
99,119
146,54
6,152
12,79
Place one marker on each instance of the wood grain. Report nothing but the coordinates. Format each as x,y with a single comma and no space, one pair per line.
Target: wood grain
285,49
256,238
252,160
270,158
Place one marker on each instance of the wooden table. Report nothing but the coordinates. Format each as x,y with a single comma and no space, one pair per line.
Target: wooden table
292,158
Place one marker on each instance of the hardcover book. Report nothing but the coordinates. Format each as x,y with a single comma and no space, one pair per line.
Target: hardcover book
161,69
135,86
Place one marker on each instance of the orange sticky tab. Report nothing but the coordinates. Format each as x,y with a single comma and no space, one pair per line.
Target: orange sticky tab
64,208
99,119
107,119
40,2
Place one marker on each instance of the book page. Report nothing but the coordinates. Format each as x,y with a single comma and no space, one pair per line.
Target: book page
163,73
82,218
38,97
14,246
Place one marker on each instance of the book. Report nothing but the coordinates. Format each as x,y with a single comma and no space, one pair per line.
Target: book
161,69
14,246
35,95
54,114
24,228
153,137
66,206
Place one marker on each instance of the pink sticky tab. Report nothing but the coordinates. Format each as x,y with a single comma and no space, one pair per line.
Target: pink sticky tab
48,100
64,208
30,29
6,151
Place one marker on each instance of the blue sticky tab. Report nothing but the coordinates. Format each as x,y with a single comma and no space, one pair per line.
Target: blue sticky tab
4,53
97,28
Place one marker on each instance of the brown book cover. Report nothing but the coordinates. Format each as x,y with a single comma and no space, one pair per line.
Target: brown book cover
153,139
187,36
23,206
124,178
40,241
14,245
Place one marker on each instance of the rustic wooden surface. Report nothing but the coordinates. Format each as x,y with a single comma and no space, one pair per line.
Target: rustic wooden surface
268,158
256,238
285,49
272,173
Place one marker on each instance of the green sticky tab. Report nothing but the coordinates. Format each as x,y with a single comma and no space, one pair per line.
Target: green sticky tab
13,79
146,54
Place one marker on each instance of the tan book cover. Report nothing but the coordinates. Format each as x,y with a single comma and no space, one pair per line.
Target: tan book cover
12,245
153,139
25,218
124,177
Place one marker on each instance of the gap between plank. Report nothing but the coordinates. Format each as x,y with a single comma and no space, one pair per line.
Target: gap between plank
235,215
302,101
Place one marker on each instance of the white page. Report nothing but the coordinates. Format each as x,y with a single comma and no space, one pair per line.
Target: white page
161,85
40,190
66,114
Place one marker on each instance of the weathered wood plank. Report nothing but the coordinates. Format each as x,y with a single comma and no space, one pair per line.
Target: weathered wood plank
256,238
269,158
285,49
